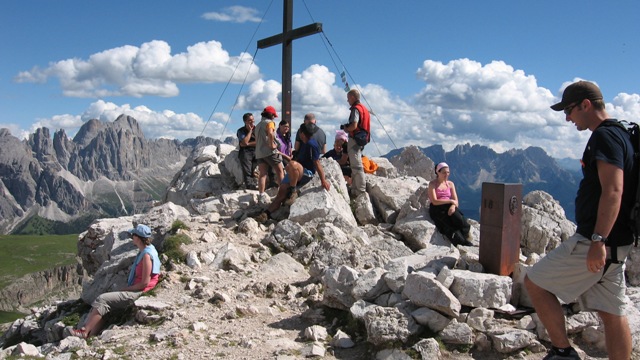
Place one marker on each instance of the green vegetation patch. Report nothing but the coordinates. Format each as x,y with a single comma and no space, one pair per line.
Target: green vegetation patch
41,226
177,225
172,247
24,254
7,317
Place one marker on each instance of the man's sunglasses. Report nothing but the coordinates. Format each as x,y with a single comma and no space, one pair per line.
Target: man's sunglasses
569,108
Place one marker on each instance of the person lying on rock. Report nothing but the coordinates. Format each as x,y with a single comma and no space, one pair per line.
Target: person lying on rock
299,172
143,276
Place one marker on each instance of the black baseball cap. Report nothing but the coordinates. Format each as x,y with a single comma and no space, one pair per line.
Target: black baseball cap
578,91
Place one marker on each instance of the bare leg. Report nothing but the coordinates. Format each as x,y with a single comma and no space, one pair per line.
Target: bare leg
262,180
550,312
617,336
279,170
294,170
280,197
94,323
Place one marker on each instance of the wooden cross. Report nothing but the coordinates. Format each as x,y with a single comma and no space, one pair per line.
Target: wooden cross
286,39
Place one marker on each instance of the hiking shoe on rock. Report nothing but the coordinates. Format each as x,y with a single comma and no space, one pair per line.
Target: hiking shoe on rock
81,333
554,355
262,217
291,198
263,199
458,239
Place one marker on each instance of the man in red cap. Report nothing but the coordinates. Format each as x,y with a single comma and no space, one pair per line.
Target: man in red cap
267,153
589,266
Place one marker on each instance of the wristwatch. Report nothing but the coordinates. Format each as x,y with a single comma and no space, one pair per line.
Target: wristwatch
598,238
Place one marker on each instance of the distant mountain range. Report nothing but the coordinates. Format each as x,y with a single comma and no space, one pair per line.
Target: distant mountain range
107,170
471,165
59,185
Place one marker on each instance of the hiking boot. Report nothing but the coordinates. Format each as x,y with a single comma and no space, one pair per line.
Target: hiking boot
554,355
458,239
262,217
291,198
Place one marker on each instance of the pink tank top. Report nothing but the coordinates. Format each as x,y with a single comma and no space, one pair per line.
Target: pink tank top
443,193
153,281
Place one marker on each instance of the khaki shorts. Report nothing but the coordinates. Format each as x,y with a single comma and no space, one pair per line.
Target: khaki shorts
564,273
272,160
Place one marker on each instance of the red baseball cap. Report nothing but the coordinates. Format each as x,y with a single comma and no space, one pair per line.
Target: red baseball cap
271,110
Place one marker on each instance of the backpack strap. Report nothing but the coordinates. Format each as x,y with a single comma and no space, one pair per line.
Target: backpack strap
612,260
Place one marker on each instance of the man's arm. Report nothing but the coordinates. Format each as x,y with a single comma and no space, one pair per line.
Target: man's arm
354,119
320,170
271,135
245,140
611,181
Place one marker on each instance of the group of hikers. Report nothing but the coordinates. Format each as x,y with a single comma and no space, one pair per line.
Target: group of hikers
290,166
587,267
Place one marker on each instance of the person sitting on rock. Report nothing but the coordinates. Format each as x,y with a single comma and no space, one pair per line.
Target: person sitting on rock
299,172
283,134
143,276
339,154
444,210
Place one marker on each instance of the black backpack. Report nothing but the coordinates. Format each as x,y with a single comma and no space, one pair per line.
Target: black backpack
633,130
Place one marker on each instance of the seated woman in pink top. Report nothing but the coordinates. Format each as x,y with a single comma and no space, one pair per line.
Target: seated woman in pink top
444,210
143,276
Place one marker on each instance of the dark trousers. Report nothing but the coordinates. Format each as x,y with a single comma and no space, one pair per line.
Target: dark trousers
248,162
448,225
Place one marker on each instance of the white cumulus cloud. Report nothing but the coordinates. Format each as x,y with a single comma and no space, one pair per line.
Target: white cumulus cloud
462,101
150,69
237,14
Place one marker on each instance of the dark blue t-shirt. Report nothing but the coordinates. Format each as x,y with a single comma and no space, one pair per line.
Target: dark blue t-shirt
609,143
242,133
309,153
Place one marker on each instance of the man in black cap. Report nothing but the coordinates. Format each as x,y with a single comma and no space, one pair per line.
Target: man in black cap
589,266
299,172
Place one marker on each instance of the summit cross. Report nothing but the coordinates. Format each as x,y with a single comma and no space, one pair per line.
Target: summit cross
286,39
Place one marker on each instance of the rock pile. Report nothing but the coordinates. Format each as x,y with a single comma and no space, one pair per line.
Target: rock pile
333,278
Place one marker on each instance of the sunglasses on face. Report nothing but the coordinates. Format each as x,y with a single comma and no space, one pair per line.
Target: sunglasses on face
569,108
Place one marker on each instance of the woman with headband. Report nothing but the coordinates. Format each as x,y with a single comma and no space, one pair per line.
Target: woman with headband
444,210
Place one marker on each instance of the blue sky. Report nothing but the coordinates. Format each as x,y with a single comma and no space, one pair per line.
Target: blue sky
448,72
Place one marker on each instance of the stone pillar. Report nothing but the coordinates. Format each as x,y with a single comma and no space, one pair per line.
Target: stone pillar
500,215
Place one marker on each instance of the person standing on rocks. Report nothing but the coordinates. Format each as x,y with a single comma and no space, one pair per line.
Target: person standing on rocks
247,151
267,151
359,121
143,276
589,266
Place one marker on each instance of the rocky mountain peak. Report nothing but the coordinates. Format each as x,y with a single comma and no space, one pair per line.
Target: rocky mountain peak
329,277
108,169
88,131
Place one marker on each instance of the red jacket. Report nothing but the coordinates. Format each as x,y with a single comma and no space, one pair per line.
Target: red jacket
364,123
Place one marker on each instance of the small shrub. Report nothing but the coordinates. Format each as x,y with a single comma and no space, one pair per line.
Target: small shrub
177,225
172,247
71,320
